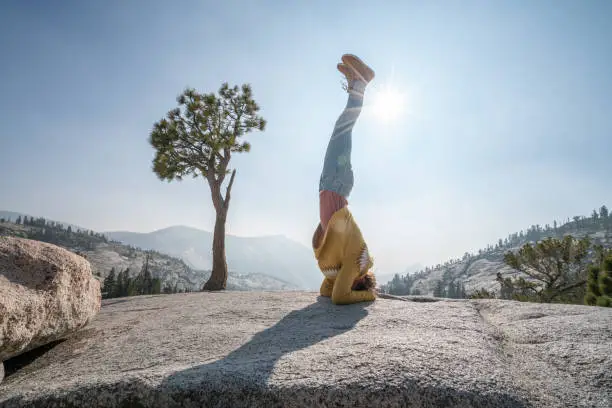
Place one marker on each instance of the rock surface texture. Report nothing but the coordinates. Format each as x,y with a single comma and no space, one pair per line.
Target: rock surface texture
247,349
46,294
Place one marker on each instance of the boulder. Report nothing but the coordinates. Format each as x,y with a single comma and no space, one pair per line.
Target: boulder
46,293
295,349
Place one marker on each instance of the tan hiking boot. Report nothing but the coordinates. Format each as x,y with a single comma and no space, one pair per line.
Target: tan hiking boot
360,71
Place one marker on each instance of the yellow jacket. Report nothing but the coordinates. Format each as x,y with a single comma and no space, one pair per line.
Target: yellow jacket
343,257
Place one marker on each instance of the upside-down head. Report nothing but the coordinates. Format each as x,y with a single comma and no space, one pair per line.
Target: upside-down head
365,282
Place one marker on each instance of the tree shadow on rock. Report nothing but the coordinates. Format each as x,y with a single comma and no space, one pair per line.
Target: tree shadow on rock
243,374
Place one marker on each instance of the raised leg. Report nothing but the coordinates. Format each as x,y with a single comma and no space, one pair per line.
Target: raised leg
336,182
337,174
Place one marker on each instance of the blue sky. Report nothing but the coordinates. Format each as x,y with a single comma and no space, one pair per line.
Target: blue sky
505,121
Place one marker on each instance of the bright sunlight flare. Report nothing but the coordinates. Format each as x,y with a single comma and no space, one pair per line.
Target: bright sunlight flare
387,104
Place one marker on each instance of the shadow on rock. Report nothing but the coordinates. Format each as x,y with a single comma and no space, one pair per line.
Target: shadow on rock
14,364
244,373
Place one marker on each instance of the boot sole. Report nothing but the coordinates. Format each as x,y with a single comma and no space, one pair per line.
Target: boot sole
354,62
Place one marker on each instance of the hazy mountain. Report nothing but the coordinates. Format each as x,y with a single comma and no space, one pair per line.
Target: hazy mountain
275,256
479,270
104,254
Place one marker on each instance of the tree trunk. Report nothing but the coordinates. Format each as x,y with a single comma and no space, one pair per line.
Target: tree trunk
218,277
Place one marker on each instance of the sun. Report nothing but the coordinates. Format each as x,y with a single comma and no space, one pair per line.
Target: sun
388,104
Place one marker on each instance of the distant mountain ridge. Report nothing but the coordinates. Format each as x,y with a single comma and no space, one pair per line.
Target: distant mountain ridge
479,270
274,255
104,255
13,215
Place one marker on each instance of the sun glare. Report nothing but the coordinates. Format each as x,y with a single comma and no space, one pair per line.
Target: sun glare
388,104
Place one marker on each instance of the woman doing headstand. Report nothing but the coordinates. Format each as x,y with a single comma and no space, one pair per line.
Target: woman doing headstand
339,247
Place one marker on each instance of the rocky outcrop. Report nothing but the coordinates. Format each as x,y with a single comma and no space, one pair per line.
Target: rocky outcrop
46,293
248,349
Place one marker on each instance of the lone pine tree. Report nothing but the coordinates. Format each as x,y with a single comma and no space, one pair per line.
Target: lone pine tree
197,139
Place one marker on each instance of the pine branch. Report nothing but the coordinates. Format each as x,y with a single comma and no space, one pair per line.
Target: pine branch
229,189
572,286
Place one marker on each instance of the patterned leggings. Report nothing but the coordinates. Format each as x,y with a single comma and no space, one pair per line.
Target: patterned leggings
337,175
